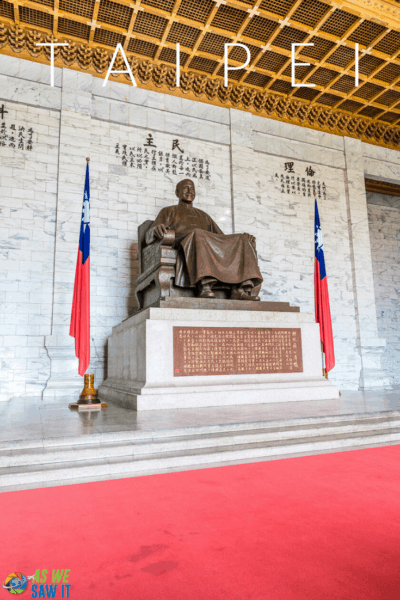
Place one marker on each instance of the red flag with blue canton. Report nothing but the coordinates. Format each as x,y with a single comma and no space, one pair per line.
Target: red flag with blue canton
322,307
80,317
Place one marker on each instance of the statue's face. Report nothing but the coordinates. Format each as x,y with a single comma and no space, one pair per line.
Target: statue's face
186,191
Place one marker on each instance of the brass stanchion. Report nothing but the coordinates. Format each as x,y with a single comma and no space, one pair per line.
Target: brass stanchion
88,400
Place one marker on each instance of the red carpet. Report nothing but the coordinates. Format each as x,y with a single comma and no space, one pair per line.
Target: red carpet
318,527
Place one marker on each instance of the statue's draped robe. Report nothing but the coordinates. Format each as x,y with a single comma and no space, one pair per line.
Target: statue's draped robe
204,250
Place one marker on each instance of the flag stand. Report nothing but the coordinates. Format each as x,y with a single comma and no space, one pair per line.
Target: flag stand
88,400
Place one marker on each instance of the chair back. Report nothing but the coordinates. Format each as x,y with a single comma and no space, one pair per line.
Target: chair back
142,230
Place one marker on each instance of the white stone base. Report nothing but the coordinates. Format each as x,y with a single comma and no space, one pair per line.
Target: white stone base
140,363
64,382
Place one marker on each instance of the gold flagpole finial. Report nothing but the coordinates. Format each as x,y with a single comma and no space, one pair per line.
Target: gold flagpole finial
88,160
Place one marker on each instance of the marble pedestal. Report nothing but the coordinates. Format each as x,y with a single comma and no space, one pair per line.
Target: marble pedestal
65,381
141,366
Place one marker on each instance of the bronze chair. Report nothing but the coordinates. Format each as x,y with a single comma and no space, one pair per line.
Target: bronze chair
157,263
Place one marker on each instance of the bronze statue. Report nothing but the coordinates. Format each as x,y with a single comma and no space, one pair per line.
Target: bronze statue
206,256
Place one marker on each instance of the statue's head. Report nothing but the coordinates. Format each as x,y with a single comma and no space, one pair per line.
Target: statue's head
186,191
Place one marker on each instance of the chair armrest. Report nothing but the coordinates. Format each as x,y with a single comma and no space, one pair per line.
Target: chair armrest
159,252
169,238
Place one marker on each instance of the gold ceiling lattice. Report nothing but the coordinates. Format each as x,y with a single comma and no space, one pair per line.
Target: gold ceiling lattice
329,99
338,23
389,97
389,73
150,25
288,36
183,34
260,28
350,105
166,5
229,18
284,87
213,44
6,9
114,14
81,8
45,2
169,56
239,54
371,111
144,48
344,84
278,7
389,44
203,64
108,38
150,29
310,12
74,29
272,61
340,57
389,117
257,79
368,64
301,72
32,16
198,11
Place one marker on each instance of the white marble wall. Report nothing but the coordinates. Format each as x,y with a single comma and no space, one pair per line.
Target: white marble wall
41,201
28,192
284,225
384,226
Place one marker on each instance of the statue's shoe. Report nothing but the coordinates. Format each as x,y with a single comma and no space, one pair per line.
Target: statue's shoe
206,294
241,295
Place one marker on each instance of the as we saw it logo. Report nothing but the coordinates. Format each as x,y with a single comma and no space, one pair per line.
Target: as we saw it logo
17,583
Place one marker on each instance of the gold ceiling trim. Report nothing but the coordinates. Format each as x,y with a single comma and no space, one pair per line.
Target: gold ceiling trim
150,29
386,12
382,187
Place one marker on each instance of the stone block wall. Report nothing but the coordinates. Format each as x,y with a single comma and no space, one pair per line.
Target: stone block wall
384,226
28,183
284,225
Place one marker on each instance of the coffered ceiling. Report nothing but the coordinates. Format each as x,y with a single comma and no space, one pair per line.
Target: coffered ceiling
150,29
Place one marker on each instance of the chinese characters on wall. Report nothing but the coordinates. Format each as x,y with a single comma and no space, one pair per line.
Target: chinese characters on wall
300,181
236,351
148,157
15,136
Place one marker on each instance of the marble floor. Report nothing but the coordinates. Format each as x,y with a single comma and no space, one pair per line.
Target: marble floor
31,419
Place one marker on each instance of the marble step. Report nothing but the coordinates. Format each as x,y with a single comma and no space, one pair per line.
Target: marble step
154,434
65,464
163,442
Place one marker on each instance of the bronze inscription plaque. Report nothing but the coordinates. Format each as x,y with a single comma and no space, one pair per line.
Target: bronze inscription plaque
236,351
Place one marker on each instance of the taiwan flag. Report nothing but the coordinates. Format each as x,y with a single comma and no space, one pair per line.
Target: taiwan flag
80,317
322,308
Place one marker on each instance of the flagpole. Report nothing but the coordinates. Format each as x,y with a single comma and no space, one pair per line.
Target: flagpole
324,371
88,400
322,305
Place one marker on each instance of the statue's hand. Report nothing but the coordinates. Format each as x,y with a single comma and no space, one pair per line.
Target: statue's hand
251,238
160,230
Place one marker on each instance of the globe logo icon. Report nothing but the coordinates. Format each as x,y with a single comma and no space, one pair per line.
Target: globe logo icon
16,583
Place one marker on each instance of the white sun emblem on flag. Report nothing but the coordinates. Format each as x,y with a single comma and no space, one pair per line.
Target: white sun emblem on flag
86,212
319,240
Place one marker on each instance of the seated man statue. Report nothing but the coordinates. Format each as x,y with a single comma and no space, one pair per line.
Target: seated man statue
207,257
